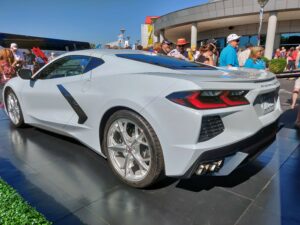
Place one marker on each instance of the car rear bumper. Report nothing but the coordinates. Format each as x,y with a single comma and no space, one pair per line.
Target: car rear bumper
238,153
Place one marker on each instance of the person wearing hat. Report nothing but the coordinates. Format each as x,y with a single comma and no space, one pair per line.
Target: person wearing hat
18,56
228,55
165,47
211,43
179,52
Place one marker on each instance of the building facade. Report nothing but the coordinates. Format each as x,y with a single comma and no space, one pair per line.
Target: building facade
218,18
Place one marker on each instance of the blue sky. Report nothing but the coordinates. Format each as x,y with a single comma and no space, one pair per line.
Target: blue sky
96,21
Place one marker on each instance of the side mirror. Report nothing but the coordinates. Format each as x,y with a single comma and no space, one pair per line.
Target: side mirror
25,74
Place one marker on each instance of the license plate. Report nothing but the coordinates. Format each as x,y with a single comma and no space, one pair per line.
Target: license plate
267,107
267,103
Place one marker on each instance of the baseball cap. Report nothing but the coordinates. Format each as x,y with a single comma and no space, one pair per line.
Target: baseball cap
232,37
166,42
181,41
13,46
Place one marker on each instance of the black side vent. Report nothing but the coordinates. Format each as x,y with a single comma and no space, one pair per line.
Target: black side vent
211,127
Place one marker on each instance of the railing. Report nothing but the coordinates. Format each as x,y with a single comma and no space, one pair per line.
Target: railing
289,74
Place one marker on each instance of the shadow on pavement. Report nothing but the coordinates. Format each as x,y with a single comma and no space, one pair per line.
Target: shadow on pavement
237,177
288,118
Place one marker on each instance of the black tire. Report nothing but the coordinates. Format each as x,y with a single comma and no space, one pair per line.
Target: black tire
20,123
156,170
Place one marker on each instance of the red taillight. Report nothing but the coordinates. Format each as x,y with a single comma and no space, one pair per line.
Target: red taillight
195,100
209,99
233,100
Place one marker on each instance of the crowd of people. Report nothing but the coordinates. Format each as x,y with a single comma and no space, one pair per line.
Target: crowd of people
208,53
231,55
292,56
13,59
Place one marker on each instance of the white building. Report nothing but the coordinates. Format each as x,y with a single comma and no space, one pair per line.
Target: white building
218,18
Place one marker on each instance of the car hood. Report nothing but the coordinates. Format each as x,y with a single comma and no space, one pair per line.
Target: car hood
231,75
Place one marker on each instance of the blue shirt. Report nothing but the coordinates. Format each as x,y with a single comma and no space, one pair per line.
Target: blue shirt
229,57
257,64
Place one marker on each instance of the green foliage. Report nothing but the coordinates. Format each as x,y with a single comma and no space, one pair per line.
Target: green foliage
266,60
277,65
14,210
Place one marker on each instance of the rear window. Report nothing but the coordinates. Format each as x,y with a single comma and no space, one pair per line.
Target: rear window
166,61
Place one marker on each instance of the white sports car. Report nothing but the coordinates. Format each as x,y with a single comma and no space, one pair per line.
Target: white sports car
150,115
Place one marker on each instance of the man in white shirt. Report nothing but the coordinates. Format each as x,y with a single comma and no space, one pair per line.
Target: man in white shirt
18,55
244,55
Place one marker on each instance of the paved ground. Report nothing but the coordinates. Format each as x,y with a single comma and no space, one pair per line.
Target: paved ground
70,184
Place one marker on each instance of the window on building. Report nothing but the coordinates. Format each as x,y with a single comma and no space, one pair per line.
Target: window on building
221,43
251,39
290,39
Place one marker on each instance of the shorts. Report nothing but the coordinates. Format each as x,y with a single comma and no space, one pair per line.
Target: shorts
291,65
297,84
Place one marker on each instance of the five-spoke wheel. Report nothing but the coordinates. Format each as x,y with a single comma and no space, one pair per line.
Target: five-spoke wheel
13,108
133,149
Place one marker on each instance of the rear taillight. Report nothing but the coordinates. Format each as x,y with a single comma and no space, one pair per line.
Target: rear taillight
210,99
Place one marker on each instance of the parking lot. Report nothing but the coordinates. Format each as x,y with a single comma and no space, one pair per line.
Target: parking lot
71,184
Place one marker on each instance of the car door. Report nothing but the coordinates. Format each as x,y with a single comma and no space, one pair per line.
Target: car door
48,99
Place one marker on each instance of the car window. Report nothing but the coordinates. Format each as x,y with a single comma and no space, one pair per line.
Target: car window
93,63
65,67
166,61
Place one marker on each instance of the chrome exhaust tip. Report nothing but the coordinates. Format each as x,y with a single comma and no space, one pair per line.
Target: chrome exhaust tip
210,167
200,170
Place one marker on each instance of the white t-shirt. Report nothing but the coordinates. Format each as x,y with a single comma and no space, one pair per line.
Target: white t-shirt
176,54
18,55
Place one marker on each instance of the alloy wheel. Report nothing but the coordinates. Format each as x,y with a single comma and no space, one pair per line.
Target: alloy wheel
13,108
129,149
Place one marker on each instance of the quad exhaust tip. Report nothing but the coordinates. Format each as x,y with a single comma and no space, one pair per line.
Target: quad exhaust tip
210,167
